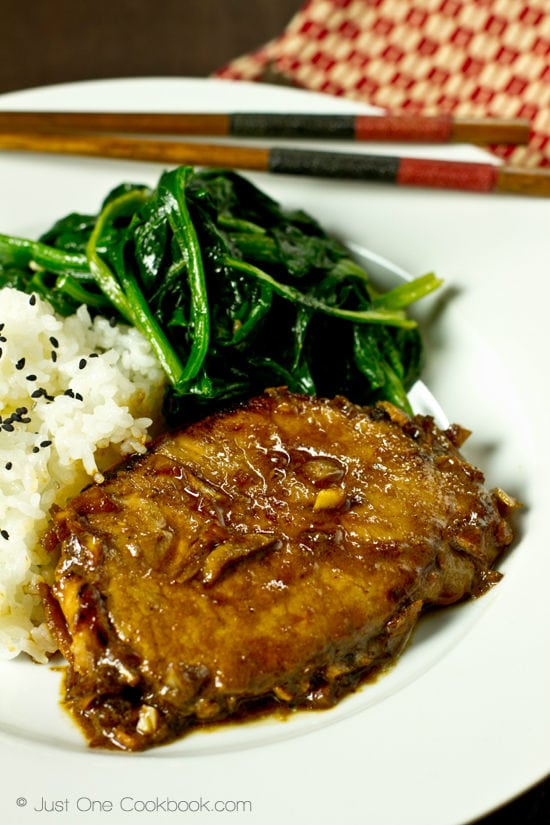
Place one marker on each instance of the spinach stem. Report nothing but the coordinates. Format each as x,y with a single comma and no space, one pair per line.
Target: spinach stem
126,294
367,316
102,273
23,252
407,293
173,197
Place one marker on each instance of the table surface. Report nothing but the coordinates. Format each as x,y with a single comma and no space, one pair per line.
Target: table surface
56,42
64,40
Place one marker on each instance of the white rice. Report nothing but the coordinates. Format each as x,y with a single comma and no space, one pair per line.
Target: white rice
65,417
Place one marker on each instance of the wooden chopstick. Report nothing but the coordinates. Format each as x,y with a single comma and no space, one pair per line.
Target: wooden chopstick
403,171
401,127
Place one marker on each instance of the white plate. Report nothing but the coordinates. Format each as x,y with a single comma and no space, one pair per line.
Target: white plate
461,724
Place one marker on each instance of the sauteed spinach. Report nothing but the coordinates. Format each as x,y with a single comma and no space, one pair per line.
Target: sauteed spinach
234,293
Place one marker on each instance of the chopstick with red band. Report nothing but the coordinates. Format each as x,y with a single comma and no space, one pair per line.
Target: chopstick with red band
403,171
410,171
385,127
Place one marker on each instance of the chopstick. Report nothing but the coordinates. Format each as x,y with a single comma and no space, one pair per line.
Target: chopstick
393,127
403,171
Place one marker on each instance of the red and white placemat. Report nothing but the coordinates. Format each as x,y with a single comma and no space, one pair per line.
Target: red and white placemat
466,57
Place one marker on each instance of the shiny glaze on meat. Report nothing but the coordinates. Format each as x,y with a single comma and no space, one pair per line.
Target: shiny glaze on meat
282,549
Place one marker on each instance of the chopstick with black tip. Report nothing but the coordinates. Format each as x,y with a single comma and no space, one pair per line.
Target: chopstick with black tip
403,171
359,127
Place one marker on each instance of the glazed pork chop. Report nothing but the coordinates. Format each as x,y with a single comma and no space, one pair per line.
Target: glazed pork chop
282,549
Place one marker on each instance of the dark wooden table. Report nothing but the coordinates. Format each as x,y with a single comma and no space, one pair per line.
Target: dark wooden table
67,40
64,40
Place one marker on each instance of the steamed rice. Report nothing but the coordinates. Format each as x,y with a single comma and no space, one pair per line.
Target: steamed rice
75,396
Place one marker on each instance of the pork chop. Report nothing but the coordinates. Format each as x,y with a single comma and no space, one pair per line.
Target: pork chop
282,549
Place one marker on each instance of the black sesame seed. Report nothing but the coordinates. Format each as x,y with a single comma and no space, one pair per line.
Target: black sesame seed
9,465
2,327
3,339
20,364
82,363
35,449
4,534
38,393
94,355
69,392
45,443
32,300
8,427
78,396
53,341
53,355
30,377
